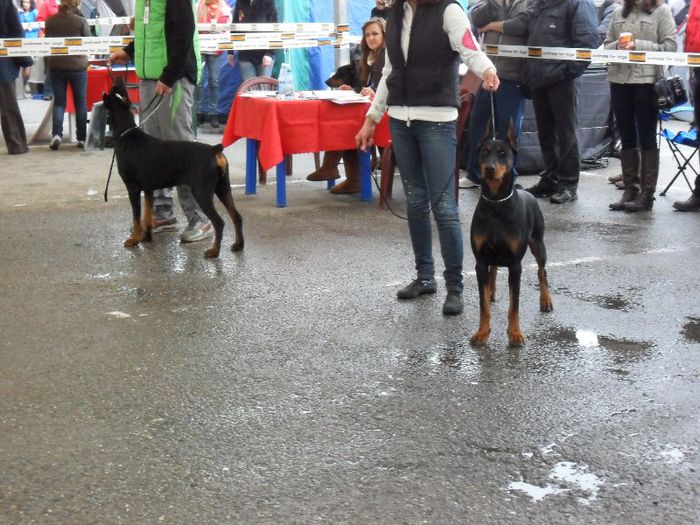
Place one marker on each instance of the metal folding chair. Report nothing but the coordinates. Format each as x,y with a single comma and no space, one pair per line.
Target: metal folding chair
675,142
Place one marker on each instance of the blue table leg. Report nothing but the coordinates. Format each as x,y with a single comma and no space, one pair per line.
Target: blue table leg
281,188
251,166
330,183
365,175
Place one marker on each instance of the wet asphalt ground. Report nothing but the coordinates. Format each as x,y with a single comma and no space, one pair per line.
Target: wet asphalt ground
286,384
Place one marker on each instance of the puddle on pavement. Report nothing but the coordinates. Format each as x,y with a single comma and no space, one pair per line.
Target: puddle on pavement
617,302
622,350
691,329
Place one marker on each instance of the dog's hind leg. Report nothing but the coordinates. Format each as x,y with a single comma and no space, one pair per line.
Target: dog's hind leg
223,192
493,272
135,200
206,204
539,252
147,234
515,336
481,337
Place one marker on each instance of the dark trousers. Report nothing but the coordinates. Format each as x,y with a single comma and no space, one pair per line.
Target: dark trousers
555,114
78,83
635,115
11,120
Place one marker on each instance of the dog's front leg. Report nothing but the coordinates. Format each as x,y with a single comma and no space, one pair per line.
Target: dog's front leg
481,337
135,199
147,235
515,336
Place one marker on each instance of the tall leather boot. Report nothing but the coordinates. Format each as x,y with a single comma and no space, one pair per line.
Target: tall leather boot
329,167
351,184
629,159
650,175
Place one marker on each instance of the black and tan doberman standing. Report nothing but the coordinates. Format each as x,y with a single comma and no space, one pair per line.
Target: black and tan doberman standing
146,163
506,221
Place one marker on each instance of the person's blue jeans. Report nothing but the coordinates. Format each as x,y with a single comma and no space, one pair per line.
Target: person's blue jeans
78,82
509,104
426,154
211,67
250,70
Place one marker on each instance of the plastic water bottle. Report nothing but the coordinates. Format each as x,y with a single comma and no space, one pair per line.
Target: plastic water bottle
285,87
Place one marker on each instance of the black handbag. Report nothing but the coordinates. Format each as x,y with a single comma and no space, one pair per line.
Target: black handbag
669,92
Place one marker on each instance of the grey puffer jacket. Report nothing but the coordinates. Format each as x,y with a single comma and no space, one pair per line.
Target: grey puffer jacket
655,31
555,23
485,11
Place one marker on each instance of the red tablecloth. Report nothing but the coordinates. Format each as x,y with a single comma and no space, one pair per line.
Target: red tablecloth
297,126
99,81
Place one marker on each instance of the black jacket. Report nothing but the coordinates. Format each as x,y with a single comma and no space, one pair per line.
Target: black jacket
250,12
555,23
10,27
429,75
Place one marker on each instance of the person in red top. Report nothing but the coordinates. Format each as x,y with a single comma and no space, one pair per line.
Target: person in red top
692,45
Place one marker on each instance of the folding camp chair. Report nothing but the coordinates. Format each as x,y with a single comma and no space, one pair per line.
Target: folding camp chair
676,141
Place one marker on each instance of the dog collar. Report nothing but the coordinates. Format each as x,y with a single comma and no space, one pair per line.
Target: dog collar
128,130
498,200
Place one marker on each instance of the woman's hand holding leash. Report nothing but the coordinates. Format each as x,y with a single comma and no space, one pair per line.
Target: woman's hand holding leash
162,89
491,80
365,137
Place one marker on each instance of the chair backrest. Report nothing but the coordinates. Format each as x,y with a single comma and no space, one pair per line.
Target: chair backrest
258,84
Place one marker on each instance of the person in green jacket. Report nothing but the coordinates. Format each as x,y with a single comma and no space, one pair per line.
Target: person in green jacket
165,52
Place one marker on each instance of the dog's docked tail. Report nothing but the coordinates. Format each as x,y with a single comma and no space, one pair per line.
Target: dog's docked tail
221,159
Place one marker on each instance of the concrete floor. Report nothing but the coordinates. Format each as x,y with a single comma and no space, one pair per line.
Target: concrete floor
286,384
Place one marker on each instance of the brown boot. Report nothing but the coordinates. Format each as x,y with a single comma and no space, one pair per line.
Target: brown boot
629,158
650,175
329,167
351,184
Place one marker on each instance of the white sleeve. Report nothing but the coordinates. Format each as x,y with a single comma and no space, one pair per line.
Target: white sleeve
459,31
378,107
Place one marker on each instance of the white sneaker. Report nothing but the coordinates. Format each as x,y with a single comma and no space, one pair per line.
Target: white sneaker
55,142
465,183
80,144
197,231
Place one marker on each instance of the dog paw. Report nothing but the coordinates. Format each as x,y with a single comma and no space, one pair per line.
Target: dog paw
516,339
479,339
147,236
546,306
211,253
237,247
131,242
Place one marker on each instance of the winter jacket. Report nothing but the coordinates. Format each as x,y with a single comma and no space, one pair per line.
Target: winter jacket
254,12
485,11
67,23
555,23
605,12
655,31
692,28
11,28
428,76
167,47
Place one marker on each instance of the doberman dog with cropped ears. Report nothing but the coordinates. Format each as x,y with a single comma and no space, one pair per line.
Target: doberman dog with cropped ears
146,164
505,222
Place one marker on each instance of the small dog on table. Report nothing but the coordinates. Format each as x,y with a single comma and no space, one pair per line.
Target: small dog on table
146,163
505,222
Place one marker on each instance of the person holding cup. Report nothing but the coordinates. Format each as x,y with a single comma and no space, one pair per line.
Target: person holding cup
644,25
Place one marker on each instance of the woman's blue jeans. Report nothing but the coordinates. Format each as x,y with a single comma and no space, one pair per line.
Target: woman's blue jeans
425,153
250,70
211,66
78,82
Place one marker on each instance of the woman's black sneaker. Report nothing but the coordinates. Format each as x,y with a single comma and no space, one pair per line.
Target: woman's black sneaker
417,288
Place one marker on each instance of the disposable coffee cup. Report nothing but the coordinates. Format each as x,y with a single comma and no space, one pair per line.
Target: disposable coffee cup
625,37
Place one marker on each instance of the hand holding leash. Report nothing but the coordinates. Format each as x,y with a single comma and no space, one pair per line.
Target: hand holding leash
365,137
491,80
162,89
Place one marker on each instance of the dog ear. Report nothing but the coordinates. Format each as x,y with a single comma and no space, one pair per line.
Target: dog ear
106,101
119,82
511,137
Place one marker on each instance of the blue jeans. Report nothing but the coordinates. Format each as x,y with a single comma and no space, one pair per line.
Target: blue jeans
211,66
250,70
509,103
425,153
78,82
